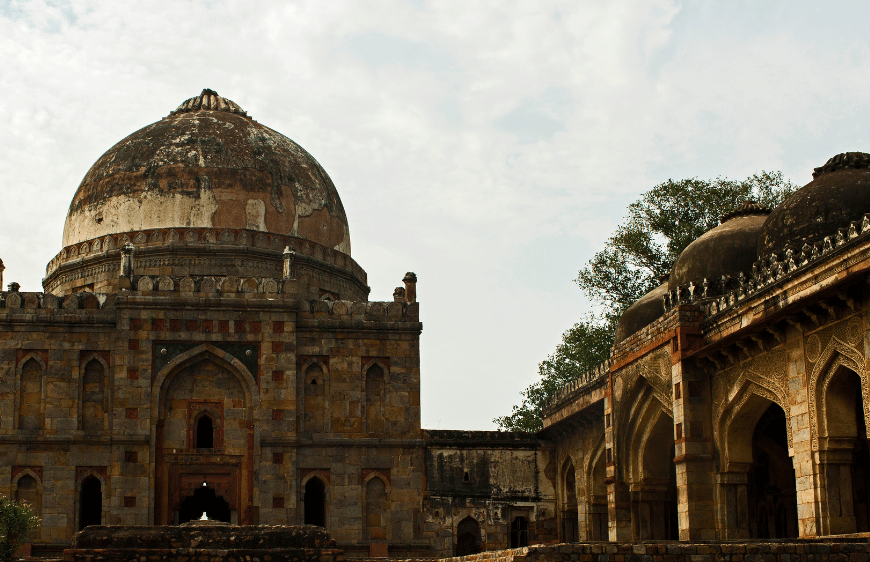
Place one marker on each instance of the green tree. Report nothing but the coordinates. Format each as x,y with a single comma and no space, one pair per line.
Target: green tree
658,228
583,346
17,521
644,247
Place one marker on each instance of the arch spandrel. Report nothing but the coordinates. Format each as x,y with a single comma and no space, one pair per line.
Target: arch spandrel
196,355
836,355
739,418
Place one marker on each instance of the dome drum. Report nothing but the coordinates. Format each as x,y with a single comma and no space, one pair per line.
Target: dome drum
204,253
206,191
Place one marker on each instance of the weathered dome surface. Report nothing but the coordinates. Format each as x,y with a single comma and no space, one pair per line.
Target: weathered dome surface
642,313
726,249
208,165
838,195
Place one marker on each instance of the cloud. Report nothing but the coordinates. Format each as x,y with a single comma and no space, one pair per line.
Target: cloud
490,146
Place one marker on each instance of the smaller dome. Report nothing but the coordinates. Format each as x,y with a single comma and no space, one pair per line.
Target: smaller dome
726,249
642,313
838,195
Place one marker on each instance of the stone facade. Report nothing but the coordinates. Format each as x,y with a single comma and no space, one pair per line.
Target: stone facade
205,352
736,405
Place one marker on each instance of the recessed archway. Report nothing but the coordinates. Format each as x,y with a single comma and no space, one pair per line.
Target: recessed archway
90,502
771,490
204,500
314,502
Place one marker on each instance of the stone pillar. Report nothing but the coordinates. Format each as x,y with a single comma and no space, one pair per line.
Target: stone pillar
693,434
836,509
801,450
289,263
733,502
399,294
410,286
2,269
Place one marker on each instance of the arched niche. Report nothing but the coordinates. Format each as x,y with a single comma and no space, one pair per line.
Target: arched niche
94,398
596,495
30,398
468,538
377,521
844,458
569,508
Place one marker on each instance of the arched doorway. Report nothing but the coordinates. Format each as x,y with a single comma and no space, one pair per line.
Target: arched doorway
205,422
844,455
771,492
314,502
204,500
570,527
468,537
90,502
654,498
598,525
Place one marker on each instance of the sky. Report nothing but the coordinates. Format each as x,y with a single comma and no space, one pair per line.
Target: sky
490,146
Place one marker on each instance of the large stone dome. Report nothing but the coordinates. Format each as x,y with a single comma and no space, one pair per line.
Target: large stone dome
207,165
726,249
838,195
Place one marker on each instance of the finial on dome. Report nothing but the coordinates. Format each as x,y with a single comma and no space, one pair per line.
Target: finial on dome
209,100
747,208
855,160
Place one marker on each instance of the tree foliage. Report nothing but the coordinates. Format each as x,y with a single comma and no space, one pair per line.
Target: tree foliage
17,521
644,247
658,228
583,346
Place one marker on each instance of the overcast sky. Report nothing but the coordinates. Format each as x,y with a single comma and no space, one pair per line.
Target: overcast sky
489,146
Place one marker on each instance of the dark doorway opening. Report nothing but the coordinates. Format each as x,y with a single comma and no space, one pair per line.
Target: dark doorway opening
519,532
204,500
467,537
771,490
205,433
315,502
90,502
861,467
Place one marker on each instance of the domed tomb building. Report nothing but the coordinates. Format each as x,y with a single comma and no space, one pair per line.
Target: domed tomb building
204,344
736,401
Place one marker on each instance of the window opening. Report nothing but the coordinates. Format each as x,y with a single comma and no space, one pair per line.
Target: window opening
519,532
314,502
205,433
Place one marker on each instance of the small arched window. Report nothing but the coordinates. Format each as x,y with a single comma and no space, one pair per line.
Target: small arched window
314,393
205,432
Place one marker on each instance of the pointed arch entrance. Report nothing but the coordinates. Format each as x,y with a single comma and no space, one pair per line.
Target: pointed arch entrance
204,404
844,458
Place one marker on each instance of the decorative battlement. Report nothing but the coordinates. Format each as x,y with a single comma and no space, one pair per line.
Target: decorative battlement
719,295
358,310
588,380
